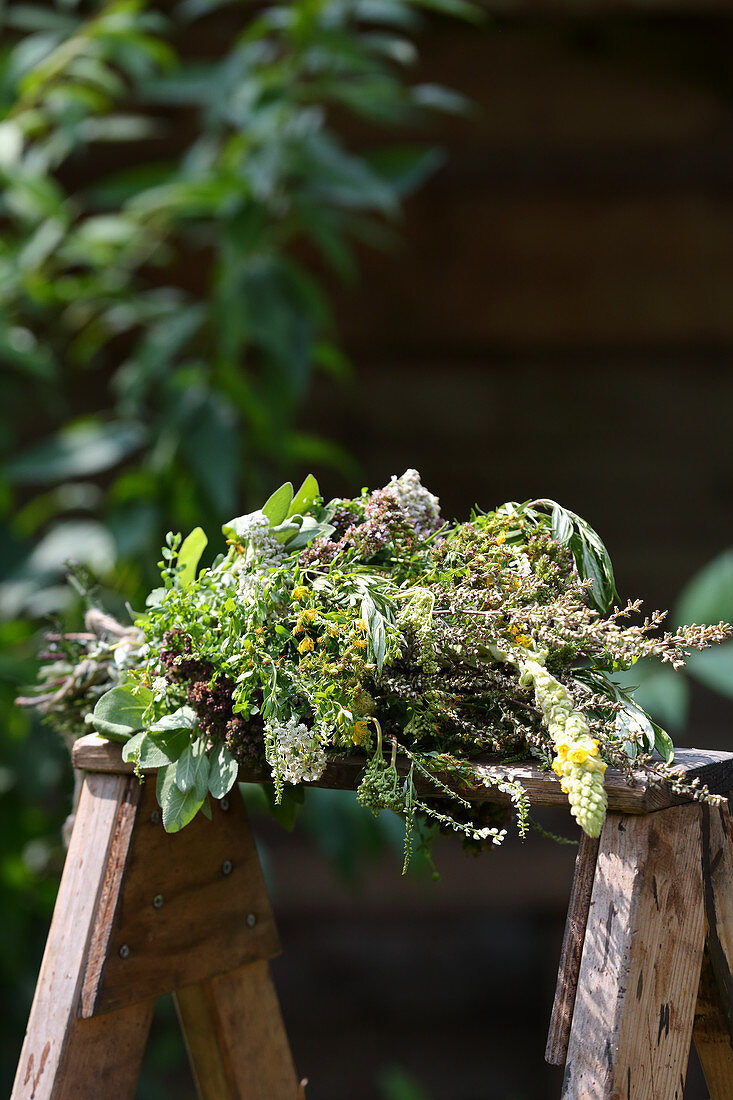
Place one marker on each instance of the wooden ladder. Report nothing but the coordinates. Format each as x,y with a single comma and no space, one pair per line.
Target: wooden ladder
645,965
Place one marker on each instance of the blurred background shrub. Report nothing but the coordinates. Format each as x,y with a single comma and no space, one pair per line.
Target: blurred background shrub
174,185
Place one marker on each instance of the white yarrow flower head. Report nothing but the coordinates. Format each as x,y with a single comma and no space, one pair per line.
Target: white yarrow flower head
262,553
296,752
422,506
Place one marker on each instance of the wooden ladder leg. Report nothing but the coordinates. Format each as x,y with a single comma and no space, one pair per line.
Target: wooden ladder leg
642,957
713,1031
141,913
558,1036
64,1056
235,1037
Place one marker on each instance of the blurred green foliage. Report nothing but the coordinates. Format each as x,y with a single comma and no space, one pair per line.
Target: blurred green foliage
706,599
175,187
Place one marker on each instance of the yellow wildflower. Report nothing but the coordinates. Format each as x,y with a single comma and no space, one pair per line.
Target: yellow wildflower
360,732
306,645
299,592
360,643
501,538
310,615
522,639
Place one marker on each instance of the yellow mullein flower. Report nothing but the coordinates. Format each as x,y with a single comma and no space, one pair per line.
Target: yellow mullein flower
576,762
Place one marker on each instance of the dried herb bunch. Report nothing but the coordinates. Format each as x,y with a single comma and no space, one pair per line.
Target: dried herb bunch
371,626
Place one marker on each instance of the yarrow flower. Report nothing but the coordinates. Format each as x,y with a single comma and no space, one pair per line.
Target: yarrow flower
262,552
419,503
295,753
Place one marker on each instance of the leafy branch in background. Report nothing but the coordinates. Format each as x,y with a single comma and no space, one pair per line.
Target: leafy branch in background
706,598
174,190
162,311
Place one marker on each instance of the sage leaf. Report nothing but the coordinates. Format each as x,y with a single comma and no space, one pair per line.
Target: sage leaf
276,507
185,718
302,502
178,807
192,770
119,713
223,771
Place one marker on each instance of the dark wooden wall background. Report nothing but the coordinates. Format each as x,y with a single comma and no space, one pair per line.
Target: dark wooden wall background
558,322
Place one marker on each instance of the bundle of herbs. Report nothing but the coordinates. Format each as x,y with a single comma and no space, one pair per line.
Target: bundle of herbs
370,626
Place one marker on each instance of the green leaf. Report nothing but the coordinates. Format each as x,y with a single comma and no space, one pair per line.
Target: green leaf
562,525
460,9
131,748
377,633
708,597
223,771
285,812
192,770
308,530
302,502
185,718
658,690
276,507
210,441
157,753
714,668
119,713
80,450
663,744
178,807
635,727
189,556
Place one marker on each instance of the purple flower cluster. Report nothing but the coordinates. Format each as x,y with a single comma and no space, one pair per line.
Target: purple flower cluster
212,699
385,523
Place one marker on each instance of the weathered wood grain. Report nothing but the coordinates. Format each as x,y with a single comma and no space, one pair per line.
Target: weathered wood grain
713,1030
48,1067
235,1037
641,962
715,769
102,1057
178,908
571,952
